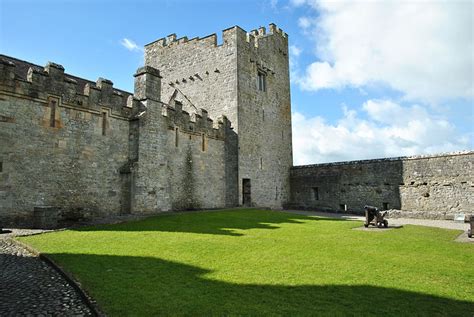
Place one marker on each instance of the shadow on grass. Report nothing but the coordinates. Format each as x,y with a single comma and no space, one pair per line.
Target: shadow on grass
149,286
214,222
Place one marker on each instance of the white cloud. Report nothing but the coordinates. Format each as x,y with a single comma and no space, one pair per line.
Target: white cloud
131,45
421,48
305,22
295,50
381,128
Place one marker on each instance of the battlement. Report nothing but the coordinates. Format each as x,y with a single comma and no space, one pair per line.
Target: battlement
32,81
197,123
211,40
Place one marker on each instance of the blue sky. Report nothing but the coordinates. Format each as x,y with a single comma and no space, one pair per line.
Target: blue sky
368,79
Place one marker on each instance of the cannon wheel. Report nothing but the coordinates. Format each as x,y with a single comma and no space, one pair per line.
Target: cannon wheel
385,223
366,225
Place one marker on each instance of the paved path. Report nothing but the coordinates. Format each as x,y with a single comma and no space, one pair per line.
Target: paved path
30,287
447,224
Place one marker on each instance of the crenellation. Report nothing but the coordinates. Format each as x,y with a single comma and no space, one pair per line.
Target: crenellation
195,123
182,40
211,39
55,71
159,148
428,186
7,72
208,41
37,77
170,39
52,80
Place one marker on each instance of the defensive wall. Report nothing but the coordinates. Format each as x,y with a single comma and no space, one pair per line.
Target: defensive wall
182,158
223,78
72,149
432,186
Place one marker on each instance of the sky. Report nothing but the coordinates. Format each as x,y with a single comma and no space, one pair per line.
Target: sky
368,79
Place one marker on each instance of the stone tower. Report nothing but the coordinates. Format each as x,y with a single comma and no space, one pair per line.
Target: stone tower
246,78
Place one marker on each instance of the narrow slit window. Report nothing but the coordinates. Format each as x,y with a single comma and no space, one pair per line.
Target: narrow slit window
1,167
52,117
176,137
261,163
316,193
261,81
203,142
104,123
263,115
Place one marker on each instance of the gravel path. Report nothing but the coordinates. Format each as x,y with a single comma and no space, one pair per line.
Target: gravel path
30,287
447,224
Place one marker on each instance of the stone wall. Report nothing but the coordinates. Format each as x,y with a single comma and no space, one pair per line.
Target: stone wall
223,79
59,147
198,72
424,186
265,155
182,159
104,152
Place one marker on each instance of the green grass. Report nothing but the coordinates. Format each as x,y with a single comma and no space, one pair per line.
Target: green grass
255,262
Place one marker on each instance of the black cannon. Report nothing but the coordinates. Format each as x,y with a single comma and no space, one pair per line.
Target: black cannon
374,217
469,232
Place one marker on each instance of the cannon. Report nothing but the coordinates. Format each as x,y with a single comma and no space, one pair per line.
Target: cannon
471,221
374,217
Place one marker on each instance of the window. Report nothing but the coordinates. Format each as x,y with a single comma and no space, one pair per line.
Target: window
261,163
176,132
203,142
1,167
343,207
52,116
385,206
316,193
104,122
261,81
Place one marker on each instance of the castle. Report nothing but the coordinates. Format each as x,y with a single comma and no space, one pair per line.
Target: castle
208,126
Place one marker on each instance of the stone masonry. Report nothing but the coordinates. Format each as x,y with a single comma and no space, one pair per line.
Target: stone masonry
224,80
208,126
435,186
203,117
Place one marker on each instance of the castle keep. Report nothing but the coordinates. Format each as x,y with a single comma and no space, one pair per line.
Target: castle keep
208,126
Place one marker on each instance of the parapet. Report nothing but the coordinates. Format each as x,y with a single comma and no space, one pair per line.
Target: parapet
32,81
198,123
384,160
253,37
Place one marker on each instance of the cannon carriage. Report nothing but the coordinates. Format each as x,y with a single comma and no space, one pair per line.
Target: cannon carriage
471,230
375,217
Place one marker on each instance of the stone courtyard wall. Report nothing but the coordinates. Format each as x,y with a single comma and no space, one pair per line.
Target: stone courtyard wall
178,160
435,186
59,147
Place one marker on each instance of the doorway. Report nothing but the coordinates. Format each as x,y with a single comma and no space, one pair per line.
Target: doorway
246,192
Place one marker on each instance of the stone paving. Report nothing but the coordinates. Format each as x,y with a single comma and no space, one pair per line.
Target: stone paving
446,224
30,287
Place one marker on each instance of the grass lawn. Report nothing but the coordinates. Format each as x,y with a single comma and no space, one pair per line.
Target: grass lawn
256,262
